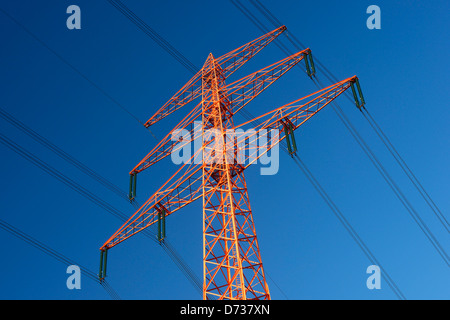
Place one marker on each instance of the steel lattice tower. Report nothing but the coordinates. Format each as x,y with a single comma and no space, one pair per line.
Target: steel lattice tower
232,264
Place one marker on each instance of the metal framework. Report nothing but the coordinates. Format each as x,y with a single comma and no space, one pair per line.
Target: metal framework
232,264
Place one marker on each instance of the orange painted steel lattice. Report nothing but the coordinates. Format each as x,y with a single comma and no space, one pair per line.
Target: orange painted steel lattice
232,264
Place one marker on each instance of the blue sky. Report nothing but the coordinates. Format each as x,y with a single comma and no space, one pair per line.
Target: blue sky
305,250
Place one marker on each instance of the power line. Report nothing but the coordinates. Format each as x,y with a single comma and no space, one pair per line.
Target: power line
60,176
71,66
163,43
324,195
343,220
172,252
96,200
56,255
166,45
182,265
391,183
62,154
263,28
400,195
412,177
311,178
348,226
383,137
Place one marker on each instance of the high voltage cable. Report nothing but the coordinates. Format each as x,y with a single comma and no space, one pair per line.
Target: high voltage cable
164,43
394,187
343,220
331,204
263,29
62,154
348,226
442,219
154,35
96,200
166,247
71,66
56,255
413,213
60,176
181,264
295,41
379,132
173,255
176,258
383,137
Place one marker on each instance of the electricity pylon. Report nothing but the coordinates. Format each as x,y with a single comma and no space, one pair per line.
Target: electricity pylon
232,264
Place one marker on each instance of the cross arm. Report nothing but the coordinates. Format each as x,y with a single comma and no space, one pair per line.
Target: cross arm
229,62
295,113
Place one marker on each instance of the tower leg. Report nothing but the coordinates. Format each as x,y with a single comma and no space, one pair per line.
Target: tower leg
232,266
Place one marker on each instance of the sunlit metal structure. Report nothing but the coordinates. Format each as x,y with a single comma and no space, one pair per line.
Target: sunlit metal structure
232,264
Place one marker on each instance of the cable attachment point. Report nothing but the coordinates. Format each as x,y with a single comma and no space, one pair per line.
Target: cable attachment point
289,134
360,102
103,261
309,61
133,182
161,223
